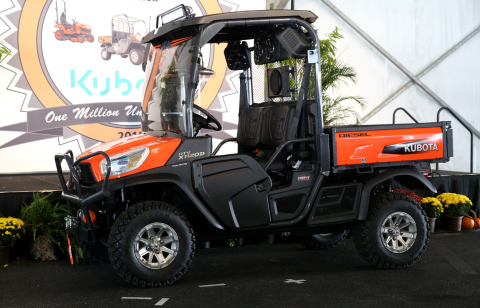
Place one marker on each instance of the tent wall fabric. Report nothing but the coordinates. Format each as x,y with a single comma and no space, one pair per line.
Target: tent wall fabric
413,54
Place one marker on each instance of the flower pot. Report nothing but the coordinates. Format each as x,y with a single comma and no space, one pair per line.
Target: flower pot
4,255
431,224
454,223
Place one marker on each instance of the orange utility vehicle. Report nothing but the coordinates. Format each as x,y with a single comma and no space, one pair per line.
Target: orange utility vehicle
127,34
152,197
73,31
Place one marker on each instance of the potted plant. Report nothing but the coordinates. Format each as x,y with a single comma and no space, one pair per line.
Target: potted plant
433,208
10,232
44,222
455,206
411,194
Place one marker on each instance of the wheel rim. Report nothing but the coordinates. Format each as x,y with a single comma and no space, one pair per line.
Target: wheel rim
156,245
399,232
134,56
104,53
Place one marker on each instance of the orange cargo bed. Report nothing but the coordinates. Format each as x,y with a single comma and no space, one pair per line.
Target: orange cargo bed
390,145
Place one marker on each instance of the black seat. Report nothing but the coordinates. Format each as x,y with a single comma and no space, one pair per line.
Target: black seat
277,124
264,128
250,124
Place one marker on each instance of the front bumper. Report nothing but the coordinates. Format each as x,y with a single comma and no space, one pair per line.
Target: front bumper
75,194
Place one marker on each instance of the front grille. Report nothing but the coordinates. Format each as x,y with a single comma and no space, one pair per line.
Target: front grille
290,204
342,200
85,30
86,174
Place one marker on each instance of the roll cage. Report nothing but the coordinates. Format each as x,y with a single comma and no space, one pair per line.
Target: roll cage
125,24
232,27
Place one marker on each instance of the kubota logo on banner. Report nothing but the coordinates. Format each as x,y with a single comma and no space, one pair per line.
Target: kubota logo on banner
83,66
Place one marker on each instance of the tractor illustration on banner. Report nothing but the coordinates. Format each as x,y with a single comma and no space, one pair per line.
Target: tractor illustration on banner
127,34
73,30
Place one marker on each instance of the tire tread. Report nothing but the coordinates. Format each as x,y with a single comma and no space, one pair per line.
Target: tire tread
363,242
115,242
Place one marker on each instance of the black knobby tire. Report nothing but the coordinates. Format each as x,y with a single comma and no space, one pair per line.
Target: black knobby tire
325,241
136,56
121,244
106,55
367,234
95,251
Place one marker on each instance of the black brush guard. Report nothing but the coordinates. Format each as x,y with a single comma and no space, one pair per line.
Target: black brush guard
76,195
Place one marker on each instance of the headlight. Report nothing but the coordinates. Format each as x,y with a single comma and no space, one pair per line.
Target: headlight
125,162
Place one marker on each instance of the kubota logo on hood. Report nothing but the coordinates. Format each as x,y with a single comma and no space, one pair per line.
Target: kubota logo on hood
411,147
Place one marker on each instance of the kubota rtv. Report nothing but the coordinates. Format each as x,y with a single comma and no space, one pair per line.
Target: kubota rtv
156,195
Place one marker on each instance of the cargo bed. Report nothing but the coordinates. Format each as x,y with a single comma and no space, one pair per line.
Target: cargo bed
366,146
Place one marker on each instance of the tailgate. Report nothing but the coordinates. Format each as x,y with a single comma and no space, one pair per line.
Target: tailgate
387,145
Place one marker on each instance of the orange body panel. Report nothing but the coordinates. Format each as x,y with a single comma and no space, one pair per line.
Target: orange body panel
161,149
389,145
104,39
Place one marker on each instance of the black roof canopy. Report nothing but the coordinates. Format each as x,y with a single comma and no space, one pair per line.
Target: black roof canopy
191,26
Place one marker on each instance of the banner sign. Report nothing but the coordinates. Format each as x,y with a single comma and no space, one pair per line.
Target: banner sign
74,78
42,119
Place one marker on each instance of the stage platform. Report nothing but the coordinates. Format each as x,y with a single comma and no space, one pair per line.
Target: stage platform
18,188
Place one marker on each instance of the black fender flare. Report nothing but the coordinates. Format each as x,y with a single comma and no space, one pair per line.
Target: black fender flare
172,178
404,172
106,45
136,45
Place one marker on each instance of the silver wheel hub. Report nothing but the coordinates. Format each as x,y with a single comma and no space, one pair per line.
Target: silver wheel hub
398,232
156,245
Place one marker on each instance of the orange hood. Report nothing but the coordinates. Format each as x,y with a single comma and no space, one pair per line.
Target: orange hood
161,149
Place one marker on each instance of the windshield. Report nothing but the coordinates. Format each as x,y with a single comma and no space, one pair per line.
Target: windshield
168,86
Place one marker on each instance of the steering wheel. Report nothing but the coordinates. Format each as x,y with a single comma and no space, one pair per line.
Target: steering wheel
201,122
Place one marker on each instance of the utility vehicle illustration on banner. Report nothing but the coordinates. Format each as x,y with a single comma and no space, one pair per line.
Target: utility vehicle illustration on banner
127,33
144,201
73,30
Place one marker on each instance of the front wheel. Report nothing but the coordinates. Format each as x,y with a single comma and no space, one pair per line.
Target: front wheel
395,234
59,35
151,244
136,56
106,55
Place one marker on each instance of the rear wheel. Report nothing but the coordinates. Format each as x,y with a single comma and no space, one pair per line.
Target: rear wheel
106,55
136,56
151,244
395,234
90,38
325,241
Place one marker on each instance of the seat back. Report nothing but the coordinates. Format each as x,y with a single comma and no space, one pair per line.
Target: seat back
277,124
250,125
269,125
